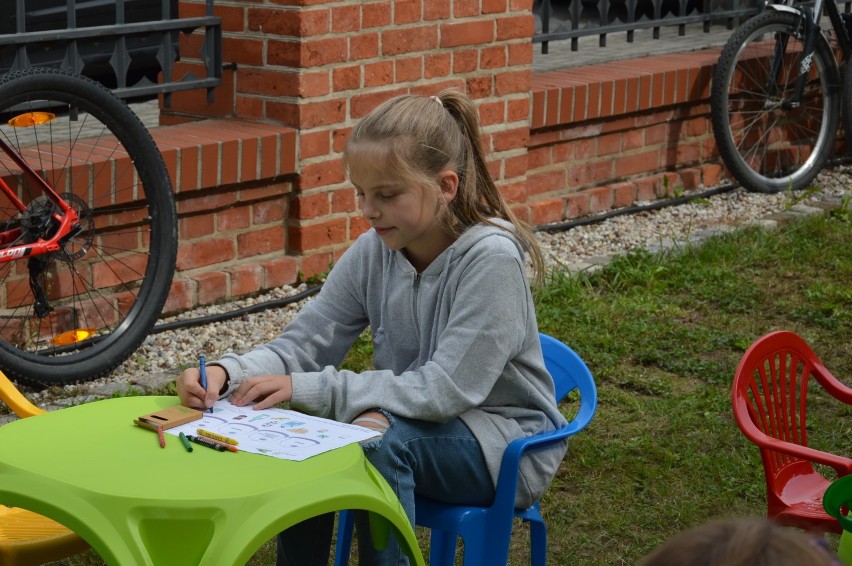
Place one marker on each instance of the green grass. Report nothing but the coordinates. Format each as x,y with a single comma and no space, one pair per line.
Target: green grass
662,335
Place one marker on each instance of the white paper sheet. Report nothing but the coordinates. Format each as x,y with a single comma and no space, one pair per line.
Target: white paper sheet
280,433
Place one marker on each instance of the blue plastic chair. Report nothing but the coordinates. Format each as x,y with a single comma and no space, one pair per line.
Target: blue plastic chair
487,531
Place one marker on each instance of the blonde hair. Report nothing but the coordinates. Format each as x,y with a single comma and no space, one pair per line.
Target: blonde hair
421,136
740,542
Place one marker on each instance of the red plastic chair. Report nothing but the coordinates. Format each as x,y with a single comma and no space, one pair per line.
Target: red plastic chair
769,398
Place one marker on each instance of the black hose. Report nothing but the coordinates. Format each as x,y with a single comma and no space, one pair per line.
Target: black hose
266,305
656,205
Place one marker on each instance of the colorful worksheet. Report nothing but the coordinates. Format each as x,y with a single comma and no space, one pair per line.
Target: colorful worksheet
280,433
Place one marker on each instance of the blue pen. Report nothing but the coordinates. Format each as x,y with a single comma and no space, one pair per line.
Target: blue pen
203,369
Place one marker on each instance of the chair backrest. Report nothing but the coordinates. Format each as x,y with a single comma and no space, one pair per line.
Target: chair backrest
770,394
569,372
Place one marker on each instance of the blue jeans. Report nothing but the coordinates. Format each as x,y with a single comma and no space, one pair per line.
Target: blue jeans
440,461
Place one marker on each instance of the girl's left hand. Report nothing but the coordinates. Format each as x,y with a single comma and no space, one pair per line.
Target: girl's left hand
267,390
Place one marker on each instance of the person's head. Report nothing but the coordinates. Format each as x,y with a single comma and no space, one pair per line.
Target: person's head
419,168
740,542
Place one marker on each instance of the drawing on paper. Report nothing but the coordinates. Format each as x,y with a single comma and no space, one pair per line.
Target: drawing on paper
280,433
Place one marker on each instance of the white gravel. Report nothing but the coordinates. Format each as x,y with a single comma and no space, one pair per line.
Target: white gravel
163,355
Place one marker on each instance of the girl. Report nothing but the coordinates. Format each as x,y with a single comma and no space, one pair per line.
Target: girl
440,281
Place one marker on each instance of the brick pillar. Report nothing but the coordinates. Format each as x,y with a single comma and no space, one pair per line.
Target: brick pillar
319,66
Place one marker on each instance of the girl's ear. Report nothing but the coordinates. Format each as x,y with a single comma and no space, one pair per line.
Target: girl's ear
448,180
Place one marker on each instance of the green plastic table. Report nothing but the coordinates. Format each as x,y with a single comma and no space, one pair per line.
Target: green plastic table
90,468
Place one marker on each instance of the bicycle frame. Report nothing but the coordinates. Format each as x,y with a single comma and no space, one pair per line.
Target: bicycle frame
67,220
812,28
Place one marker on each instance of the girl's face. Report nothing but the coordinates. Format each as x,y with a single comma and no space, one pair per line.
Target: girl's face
406,216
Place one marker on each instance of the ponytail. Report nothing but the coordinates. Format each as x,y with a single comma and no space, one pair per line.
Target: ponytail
422,136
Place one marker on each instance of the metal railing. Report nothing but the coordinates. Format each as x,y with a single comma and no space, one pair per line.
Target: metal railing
135,47
573,19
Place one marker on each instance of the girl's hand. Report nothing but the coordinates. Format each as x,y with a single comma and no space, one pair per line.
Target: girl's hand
267,390
192,394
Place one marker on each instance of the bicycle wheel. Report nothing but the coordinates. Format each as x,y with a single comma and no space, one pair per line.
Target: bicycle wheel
768,143
75,313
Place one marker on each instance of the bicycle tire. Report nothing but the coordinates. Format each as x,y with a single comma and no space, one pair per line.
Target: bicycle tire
768,147
113,277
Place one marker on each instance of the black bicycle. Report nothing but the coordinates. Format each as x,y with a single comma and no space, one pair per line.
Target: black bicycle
88,229
777,94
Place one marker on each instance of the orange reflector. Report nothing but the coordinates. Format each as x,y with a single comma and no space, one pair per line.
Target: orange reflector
73,336
30,119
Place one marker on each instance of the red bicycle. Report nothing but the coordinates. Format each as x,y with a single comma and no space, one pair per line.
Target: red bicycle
88,229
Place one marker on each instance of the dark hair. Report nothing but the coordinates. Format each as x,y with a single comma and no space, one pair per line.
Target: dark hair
419,136
740,542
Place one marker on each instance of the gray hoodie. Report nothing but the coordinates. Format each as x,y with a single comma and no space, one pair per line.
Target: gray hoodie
459,339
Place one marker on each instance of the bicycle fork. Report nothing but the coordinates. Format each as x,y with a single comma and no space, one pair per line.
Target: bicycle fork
811,31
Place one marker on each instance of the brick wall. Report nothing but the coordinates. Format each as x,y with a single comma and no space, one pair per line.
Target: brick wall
562,144
316,68
606,136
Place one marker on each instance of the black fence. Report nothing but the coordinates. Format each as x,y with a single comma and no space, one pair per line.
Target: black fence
132,46
572,19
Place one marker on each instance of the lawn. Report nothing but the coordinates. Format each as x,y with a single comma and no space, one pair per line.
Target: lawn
662,334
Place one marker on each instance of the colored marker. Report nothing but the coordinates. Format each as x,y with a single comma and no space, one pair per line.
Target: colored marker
161,437
185,441
225,445
202,367
219,437
206,442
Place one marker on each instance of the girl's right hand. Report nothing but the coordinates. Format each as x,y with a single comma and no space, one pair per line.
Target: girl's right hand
192,394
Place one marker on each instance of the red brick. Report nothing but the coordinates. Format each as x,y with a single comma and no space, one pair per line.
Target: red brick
212,287
438,65
260,241
310,206
266,212
375,15
363,46
492,57
233,218
436,10
466,8
646,161
343,201
245,279
317,236
346,78
406,11
493,6
279,272
378,74
466,33
515,27
576,205
313,84
408,69
624,194
409,40
646,189
479,87
345,19
203,252
321,174
546,212
181,296
315,264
